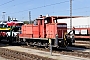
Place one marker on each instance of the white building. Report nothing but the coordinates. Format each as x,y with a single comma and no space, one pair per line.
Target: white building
80,22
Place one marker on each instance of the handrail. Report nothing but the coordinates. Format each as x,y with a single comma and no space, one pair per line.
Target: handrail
80,26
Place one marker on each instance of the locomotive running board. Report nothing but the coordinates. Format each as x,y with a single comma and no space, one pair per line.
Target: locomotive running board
40,38
34,38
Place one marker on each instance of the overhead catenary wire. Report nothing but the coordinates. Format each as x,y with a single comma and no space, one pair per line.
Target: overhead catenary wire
50,5
72,9
19,4
41,7
6,2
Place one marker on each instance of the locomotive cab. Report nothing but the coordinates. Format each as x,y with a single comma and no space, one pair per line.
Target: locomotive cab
55,31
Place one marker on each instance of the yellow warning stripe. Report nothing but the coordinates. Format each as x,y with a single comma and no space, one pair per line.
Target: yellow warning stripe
4,28
64,35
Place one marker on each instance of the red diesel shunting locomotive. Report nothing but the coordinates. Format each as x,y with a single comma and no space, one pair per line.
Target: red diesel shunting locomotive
43,29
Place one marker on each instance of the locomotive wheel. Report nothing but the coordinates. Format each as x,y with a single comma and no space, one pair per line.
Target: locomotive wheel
34,46
10,41
0,39
27,44
64,43
39,44
70,43
46,47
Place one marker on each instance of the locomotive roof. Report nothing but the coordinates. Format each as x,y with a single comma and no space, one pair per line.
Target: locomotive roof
59,17
63,17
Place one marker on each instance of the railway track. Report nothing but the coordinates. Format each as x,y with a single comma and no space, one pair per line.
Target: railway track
64,51
68,51
15,55
82,43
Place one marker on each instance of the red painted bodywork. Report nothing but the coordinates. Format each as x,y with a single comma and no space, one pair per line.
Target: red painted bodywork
3,34
14,23
44,30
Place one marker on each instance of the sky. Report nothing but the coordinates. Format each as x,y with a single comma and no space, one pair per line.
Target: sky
20,8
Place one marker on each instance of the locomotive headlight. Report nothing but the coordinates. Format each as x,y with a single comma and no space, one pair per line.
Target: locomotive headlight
56,35
70,36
